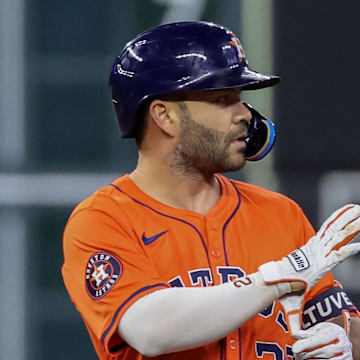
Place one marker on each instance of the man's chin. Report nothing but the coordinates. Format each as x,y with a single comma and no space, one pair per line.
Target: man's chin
233,167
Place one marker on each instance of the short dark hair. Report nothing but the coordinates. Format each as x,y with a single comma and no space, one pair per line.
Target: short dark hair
141,122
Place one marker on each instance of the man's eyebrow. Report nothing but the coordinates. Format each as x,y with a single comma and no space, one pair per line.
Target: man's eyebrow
225,92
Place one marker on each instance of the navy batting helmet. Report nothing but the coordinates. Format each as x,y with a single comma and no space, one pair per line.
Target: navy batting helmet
181,57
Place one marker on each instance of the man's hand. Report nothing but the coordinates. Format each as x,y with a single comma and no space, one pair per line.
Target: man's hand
323,341
321,253
311,262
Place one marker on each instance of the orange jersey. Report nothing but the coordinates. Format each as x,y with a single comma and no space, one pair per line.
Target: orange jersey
120,245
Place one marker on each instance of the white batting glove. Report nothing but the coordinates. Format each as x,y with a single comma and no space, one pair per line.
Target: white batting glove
293,304
323,341
313,260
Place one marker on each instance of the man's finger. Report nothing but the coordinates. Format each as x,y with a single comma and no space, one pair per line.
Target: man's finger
322,352
312,342
339,219
336,256
344,236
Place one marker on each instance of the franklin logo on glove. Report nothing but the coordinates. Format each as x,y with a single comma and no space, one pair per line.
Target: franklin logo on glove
298,260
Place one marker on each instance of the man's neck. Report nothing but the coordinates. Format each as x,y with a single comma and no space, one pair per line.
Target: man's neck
194,192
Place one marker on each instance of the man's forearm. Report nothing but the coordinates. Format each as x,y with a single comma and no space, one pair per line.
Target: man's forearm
176,319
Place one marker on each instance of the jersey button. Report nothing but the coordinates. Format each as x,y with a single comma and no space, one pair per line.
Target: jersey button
232,344
215,253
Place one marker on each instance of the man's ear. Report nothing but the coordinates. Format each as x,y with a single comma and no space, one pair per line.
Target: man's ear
164,116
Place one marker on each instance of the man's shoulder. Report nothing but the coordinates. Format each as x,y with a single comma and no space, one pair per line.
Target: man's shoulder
106,199
99,219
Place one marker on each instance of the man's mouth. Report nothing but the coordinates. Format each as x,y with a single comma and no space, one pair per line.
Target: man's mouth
239,142
241,137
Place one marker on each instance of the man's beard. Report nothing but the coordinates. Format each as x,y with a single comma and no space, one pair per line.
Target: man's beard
204,150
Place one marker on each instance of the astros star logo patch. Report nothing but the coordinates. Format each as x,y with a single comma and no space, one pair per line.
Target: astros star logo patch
103,270
237,44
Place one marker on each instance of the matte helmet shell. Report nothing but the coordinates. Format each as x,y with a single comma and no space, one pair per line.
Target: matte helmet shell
178,57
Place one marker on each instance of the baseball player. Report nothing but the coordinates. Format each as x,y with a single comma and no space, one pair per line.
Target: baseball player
176,261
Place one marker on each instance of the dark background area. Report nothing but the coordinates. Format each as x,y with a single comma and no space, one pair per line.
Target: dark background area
317,55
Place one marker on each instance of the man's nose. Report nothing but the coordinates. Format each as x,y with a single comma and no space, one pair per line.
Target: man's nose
242,113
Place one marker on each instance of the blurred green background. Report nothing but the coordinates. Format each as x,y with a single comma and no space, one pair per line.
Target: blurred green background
59,140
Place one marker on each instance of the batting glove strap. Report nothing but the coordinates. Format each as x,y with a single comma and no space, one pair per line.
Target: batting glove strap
271,274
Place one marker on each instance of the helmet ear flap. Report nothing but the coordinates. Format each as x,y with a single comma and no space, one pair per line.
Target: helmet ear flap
261,136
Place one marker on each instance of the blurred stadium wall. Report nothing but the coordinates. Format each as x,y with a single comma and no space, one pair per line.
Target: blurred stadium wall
59,140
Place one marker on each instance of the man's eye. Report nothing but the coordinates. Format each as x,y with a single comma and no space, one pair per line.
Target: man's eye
227,99
223,99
